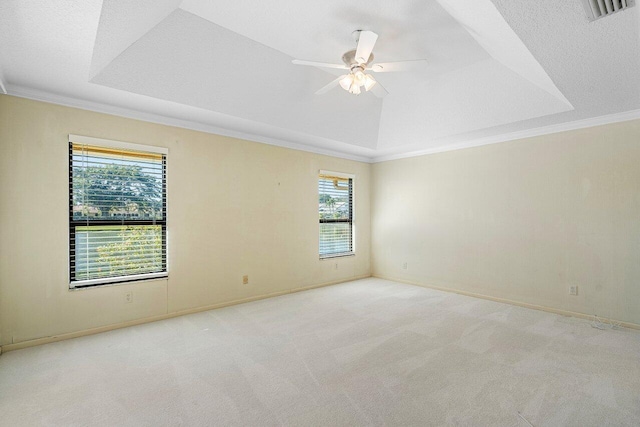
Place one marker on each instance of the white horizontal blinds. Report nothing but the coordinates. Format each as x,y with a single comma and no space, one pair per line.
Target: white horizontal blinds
114,251
117,212
113,183
335,209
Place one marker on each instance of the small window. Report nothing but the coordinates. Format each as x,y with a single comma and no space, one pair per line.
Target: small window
117,212
335,208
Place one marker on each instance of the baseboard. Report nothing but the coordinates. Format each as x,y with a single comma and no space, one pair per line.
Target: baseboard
508,301
100,329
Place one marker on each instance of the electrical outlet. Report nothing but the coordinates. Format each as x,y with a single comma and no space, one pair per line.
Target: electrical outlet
128,297
573,290
245,280
405,265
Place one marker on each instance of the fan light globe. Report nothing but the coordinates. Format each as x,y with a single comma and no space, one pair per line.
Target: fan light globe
355,88
346,82
369,82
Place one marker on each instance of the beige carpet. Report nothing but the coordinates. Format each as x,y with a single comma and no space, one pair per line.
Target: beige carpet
370,352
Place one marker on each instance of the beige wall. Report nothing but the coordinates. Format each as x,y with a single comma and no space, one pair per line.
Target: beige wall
521,220
234,207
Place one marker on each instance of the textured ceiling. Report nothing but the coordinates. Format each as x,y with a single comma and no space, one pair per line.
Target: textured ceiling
494,68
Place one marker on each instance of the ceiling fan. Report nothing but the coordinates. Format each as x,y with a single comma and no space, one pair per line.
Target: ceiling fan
358,61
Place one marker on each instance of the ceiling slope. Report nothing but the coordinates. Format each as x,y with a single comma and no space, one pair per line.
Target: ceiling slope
122,24
499,40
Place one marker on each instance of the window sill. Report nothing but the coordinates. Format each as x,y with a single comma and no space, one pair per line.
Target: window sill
340,255
111,281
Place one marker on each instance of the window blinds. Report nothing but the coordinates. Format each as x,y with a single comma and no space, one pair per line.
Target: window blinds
335,208
117,214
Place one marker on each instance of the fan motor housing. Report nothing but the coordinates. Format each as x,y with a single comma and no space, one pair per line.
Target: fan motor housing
349,58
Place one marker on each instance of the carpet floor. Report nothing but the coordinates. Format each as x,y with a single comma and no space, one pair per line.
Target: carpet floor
369,352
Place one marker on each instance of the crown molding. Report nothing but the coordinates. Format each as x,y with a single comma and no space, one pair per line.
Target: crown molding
43,96
37,95
512,136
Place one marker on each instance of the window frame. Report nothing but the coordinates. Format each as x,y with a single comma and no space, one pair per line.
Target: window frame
73,222
350,220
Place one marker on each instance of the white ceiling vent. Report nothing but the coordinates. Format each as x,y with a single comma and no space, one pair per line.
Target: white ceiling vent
597,9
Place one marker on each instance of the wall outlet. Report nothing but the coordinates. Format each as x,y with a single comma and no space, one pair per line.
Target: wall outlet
405,265
245,280
128,297
573,290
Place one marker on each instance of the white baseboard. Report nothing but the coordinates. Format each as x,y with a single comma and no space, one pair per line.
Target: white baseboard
92,331
510,302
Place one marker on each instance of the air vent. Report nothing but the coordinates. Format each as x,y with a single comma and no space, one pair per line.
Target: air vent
597,9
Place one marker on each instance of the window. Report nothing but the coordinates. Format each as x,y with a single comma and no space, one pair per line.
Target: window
117,212
335,208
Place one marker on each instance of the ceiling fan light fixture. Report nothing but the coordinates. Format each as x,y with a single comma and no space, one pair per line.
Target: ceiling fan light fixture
369,82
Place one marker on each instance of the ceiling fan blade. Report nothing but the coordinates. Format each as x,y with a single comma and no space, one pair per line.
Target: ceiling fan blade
366,42
387,67
320,64
379,90
330,86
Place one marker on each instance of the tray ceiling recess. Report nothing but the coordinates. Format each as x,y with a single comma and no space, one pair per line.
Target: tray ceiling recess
483,76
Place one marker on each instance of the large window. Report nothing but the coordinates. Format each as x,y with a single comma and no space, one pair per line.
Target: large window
335,208
117,212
